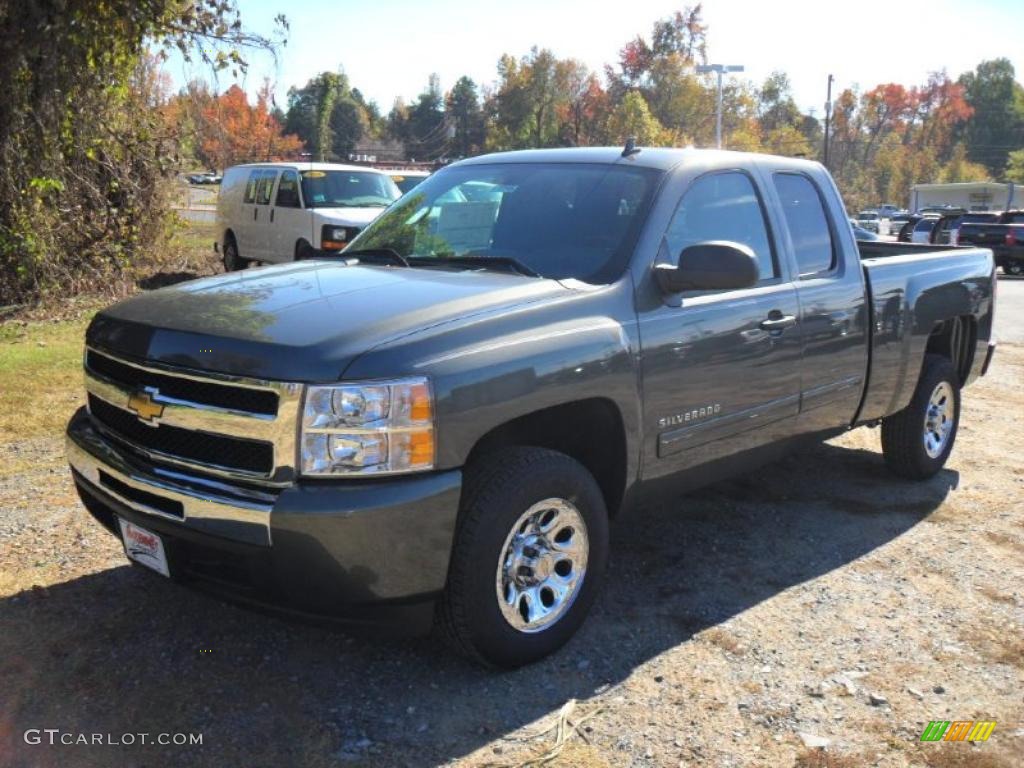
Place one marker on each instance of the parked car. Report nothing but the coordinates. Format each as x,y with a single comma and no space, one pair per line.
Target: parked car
897,221
205,178
870,220
273,212
442,421
1005,236
406,180
860,233
888,210
923,229
973,217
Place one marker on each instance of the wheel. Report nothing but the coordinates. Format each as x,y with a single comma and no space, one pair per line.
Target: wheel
1015,268
917,441
304,250
529,554
232,261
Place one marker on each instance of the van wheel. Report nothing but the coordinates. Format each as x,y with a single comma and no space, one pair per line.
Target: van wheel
304,250
917,441
529,554
232,261
1015,268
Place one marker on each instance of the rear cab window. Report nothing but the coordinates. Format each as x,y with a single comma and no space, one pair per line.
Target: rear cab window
810,230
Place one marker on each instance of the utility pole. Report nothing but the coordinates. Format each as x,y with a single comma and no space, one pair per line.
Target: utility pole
719,69
828,120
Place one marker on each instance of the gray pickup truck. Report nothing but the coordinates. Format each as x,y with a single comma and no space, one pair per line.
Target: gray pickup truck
436,425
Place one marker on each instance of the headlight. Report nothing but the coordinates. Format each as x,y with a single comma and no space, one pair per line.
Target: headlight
334,238
375,427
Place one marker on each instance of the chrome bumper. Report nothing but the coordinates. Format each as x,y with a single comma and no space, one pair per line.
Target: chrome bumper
229,511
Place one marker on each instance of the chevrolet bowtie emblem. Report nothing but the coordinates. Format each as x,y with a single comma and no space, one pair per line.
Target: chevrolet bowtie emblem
144,406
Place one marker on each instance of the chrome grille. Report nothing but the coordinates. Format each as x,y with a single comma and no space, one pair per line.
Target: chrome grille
221,425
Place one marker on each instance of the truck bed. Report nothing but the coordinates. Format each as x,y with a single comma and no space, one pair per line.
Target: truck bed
912,290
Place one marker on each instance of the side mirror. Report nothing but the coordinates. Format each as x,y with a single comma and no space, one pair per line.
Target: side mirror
714,265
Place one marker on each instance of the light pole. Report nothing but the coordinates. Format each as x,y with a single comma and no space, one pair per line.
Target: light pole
719,69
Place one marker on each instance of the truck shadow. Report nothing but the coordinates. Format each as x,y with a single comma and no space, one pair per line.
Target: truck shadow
121,651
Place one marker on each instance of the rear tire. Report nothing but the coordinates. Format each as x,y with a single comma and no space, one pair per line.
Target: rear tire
529,554
232,261
1015,268
917,441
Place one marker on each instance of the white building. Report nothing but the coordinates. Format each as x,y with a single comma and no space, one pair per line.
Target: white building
970,195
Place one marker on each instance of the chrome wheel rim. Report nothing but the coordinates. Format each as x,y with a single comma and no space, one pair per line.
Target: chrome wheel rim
542,565
938,420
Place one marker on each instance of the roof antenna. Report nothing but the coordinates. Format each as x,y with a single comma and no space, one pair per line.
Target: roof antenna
631,147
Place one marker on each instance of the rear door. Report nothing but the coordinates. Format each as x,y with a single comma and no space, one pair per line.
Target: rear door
244,215
262,248
289,223
830,288
721,369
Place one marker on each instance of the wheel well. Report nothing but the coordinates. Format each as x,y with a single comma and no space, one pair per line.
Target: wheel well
298,245
591,431
955,339
229,236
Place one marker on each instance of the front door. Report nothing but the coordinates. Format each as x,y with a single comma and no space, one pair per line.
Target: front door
721,369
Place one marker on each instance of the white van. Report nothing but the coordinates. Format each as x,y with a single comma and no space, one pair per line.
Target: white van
272,212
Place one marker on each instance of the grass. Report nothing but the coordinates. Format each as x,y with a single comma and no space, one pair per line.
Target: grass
40,376
41,349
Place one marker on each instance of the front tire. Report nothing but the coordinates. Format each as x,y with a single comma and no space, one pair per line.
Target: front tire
1015,268
529,554
917,441
232,261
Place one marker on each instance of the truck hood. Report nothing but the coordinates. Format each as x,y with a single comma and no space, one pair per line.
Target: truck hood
302,321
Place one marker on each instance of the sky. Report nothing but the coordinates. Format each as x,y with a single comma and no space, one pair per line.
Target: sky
388,48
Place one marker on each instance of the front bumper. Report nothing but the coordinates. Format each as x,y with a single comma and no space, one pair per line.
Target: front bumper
358,552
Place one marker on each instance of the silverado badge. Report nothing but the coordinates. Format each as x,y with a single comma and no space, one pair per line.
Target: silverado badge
145,407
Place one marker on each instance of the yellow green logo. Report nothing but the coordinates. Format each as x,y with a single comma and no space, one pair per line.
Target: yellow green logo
958,730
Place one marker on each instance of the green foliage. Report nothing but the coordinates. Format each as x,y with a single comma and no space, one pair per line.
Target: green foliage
84,148
996,125
1015,167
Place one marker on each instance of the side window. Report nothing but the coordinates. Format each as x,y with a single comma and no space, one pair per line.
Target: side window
807,223
723,206
288,191
250,187
265,187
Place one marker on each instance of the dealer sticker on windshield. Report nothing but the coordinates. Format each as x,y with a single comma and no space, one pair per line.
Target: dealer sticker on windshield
144,547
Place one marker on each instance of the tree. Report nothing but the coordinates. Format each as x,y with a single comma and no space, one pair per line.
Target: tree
426,132
235,131
633,118
85,152
1015,166
996,126
463,109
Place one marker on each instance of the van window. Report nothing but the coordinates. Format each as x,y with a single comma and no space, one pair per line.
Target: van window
265,187
250,187
723,206
807,223
288,191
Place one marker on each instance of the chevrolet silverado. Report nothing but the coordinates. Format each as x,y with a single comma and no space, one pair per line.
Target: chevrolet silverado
436,425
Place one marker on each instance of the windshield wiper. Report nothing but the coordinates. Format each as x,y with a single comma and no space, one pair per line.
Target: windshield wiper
499,263
377,256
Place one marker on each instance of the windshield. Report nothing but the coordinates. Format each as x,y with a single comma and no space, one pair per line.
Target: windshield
571,220
405,183
867,216
347,189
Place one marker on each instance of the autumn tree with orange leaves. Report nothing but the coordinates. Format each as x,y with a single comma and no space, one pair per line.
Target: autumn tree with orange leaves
232,131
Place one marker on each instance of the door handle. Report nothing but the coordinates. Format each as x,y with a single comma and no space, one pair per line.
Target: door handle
271,215
255,214
777,321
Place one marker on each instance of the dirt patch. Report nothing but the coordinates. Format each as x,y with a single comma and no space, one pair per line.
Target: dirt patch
819,598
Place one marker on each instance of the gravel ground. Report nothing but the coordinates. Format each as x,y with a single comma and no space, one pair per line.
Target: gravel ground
815,613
